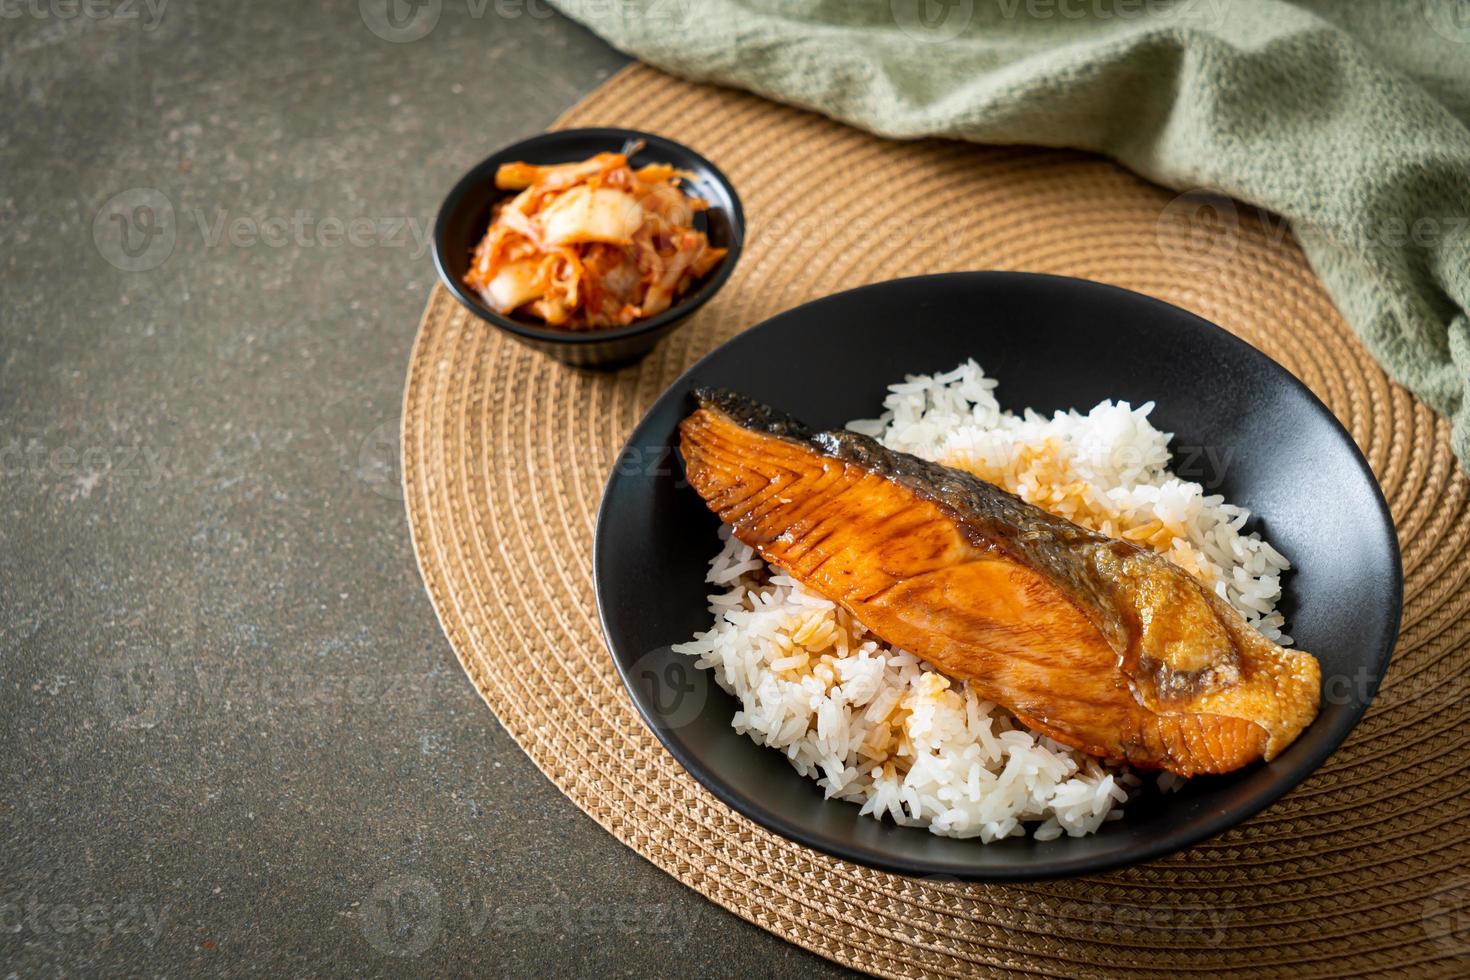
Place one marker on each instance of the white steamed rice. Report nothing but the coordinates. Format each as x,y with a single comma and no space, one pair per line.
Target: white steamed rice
880,728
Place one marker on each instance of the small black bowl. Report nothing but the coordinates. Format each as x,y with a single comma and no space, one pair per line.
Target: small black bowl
465,216
1243,426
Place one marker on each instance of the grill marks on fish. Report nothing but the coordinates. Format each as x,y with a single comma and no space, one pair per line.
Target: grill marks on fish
1099,643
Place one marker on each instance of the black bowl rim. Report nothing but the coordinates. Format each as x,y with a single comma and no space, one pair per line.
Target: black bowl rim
1044,869
615,137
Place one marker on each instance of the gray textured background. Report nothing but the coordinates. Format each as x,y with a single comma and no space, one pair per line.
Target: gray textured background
235,739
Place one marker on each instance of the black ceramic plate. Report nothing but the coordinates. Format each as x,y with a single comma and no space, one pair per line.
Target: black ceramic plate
1243,426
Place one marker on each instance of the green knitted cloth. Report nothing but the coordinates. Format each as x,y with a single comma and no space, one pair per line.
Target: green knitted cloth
1347,118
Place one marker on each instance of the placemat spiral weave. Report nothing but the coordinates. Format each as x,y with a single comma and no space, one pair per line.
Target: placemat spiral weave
1365,868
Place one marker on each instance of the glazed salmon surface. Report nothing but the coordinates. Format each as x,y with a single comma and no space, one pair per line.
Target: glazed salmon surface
1096,642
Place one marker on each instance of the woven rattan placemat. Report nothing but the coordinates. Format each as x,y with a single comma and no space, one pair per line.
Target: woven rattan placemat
1365,868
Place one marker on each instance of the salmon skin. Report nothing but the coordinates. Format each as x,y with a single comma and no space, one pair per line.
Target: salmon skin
1101,644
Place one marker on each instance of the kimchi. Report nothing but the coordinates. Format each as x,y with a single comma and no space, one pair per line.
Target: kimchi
593,244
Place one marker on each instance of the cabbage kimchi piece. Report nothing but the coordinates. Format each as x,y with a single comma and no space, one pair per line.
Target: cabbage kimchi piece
591,244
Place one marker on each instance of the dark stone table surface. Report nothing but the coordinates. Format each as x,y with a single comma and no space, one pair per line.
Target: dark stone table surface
231,725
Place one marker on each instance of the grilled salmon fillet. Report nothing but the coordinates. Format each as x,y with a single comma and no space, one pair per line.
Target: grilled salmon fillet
1096,642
